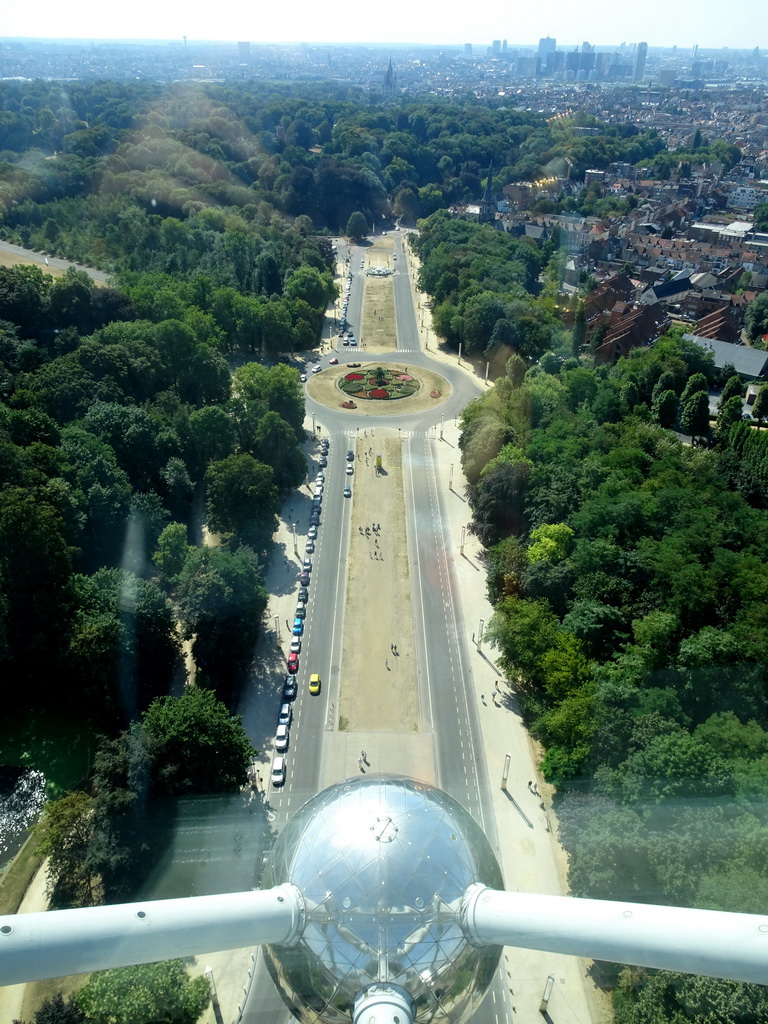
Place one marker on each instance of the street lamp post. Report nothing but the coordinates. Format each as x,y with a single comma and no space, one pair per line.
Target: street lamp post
487,365
442,424
480,634
463,538
277,626
295,548
214,995
450,478
459,353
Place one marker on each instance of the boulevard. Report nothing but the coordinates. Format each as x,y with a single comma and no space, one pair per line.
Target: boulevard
465,727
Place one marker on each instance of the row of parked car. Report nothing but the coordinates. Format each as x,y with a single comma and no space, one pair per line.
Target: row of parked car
290,690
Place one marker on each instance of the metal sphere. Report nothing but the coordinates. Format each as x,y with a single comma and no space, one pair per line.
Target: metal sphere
382,864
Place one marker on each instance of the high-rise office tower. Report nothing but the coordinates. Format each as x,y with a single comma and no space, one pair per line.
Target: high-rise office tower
244,52
547,47
496,48
467,49
640,57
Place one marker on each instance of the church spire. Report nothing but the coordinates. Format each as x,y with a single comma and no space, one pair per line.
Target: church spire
488,194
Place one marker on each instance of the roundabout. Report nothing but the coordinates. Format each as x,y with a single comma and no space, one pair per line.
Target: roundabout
380,389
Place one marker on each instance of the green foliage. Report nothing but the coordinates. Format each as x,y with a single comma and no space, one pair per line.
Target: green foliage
65,832
756,317
122,645
161,992
550,542
357,226
171,552
196,745
222,598
694,418
638,645
58,1011
241,496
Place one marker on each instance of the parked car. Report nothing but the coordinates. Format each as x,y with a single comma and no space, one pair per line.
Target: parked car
304,579
285,716
310,548
350,456
298,625
350,469
296,645
312,533
301,612
322,462
304,595
347,492
278,771
281,738
293,663
289,688
307,565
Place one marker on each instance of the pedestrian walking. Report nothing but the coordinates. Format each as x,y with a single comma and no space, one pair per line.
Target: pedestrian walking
363,755
530,785
497,686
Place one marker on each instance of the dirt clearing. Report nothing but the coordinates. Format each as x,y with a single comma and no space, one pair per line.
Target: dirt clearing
378,691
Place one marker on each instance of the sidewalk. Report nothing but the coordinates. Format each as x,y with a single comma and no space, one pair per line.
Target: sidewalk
35,902
531,858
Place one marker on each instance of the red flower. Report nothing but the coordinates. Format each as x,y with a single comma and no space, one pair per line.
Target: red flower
354,376
378,393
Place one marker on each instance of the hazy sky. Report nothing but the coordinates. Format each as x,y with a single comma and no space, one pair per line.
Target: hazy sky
710,23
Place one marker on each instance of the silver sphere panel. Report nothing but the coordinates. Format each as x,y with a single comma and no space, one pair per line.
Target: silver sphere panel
382,864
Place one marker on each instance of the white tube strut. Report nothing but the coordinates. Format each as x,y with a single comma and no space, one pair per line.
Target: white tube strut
61,942
720,945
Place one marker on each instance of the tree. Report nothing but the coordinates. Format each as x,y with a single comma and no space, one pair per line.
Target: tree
171,552
57,1011
731,411
240,493
196,745
696,382
694,419
733,388
549,543
756,317
123,644
222,598
162,993
760,407
66,830
357,226
664,408
277,446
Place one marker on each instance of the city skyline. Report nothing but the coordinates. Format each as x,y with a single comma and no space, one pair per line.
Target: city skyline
661,25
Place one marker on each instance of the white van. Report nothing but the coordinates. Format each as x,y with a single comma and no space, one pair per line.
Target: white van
281,739
278,771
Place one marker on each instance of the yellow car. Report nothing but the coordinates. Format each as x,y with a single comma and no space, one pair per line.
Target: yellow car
314,684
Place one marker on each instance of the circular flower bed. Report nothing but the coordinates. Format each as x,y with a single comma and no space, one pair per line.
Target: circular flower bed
379,384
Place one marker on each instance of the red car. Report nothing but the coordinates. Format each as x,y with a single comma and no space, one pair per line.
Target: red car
333,361
293,663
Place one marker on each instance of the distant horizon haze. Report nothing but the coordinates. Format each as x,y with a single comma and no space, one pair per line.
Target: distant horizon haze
399,23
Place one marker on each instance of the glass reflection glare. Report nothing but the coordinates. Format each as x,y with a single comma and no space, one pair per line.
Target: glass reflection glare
382,864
